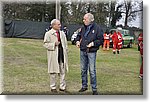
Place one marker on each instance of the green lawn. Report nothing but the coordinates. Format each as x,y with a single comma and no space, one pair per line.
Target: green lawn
25,69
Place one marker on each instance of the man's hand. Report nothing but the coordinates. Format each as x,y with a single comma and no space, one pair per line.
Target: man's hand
57,43
78,44
90,44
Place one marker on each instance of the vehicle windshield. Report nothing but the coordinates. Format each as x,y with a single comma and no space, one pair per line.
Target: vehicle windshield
124,32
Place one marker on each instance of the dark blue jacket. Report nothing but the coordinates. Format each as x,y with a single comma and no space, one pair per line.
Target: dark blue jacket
94,35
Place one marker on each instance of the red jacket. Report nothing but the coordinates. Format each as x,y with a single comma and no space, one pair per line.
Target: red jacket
117,37
140,39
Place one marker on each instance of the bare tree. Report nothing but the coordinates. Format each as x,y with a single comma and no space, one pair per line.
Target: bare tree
115,13
131,9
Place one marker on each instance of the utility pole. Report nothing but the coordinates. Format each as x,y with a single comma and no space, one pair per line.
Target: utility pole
58,9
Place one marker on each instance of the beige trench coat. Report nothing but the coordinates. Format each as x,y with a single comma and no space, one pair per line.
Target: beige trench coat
52,51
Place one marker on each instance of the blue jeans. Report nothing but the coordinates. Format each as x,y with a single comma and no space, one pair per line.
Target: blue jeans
88,61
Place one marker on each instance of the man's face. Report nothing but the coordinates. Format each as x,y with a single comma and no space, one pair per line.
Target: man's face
57,25
86,20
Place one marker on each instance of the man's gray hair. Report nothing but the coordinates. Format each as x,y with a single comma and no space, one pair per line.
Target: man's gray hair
90,16
54,21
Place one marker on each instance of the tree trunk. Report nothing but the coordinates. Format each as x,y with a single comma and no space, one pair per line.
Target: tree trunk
126,20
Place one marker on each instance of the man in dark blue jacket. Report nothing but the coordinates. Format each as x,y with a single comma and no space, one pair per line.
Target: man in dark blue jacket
88,40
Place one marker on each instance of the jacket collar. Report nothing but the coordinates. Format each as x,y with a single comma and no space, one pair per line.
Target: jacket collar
91,25
53,31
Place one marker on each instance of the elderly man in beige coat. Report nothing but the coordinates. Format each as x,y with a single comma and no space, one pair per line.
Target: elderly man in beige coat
56,44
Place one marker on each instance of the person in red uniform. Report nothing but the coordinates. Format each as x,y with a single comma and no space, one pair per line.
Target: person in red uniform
117,41
106,40
140,39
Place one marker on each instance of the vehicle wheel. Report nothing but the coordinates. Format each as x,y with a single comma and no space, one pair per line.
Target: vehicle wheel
72,42
130,45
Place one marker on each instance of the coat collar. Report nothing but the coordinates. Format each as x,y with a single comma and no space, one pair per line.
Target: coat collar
53,31
91,24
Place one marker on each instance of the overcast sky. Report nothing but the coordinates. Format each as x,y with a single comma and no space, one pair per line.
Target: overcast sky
137,23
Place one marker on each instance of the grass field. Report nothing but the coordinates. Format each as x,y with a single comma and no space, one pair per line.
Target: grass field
25,70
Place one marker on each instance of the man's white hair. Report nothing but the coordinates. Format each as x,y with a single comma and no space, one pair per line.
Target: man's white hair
90,16
54,21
